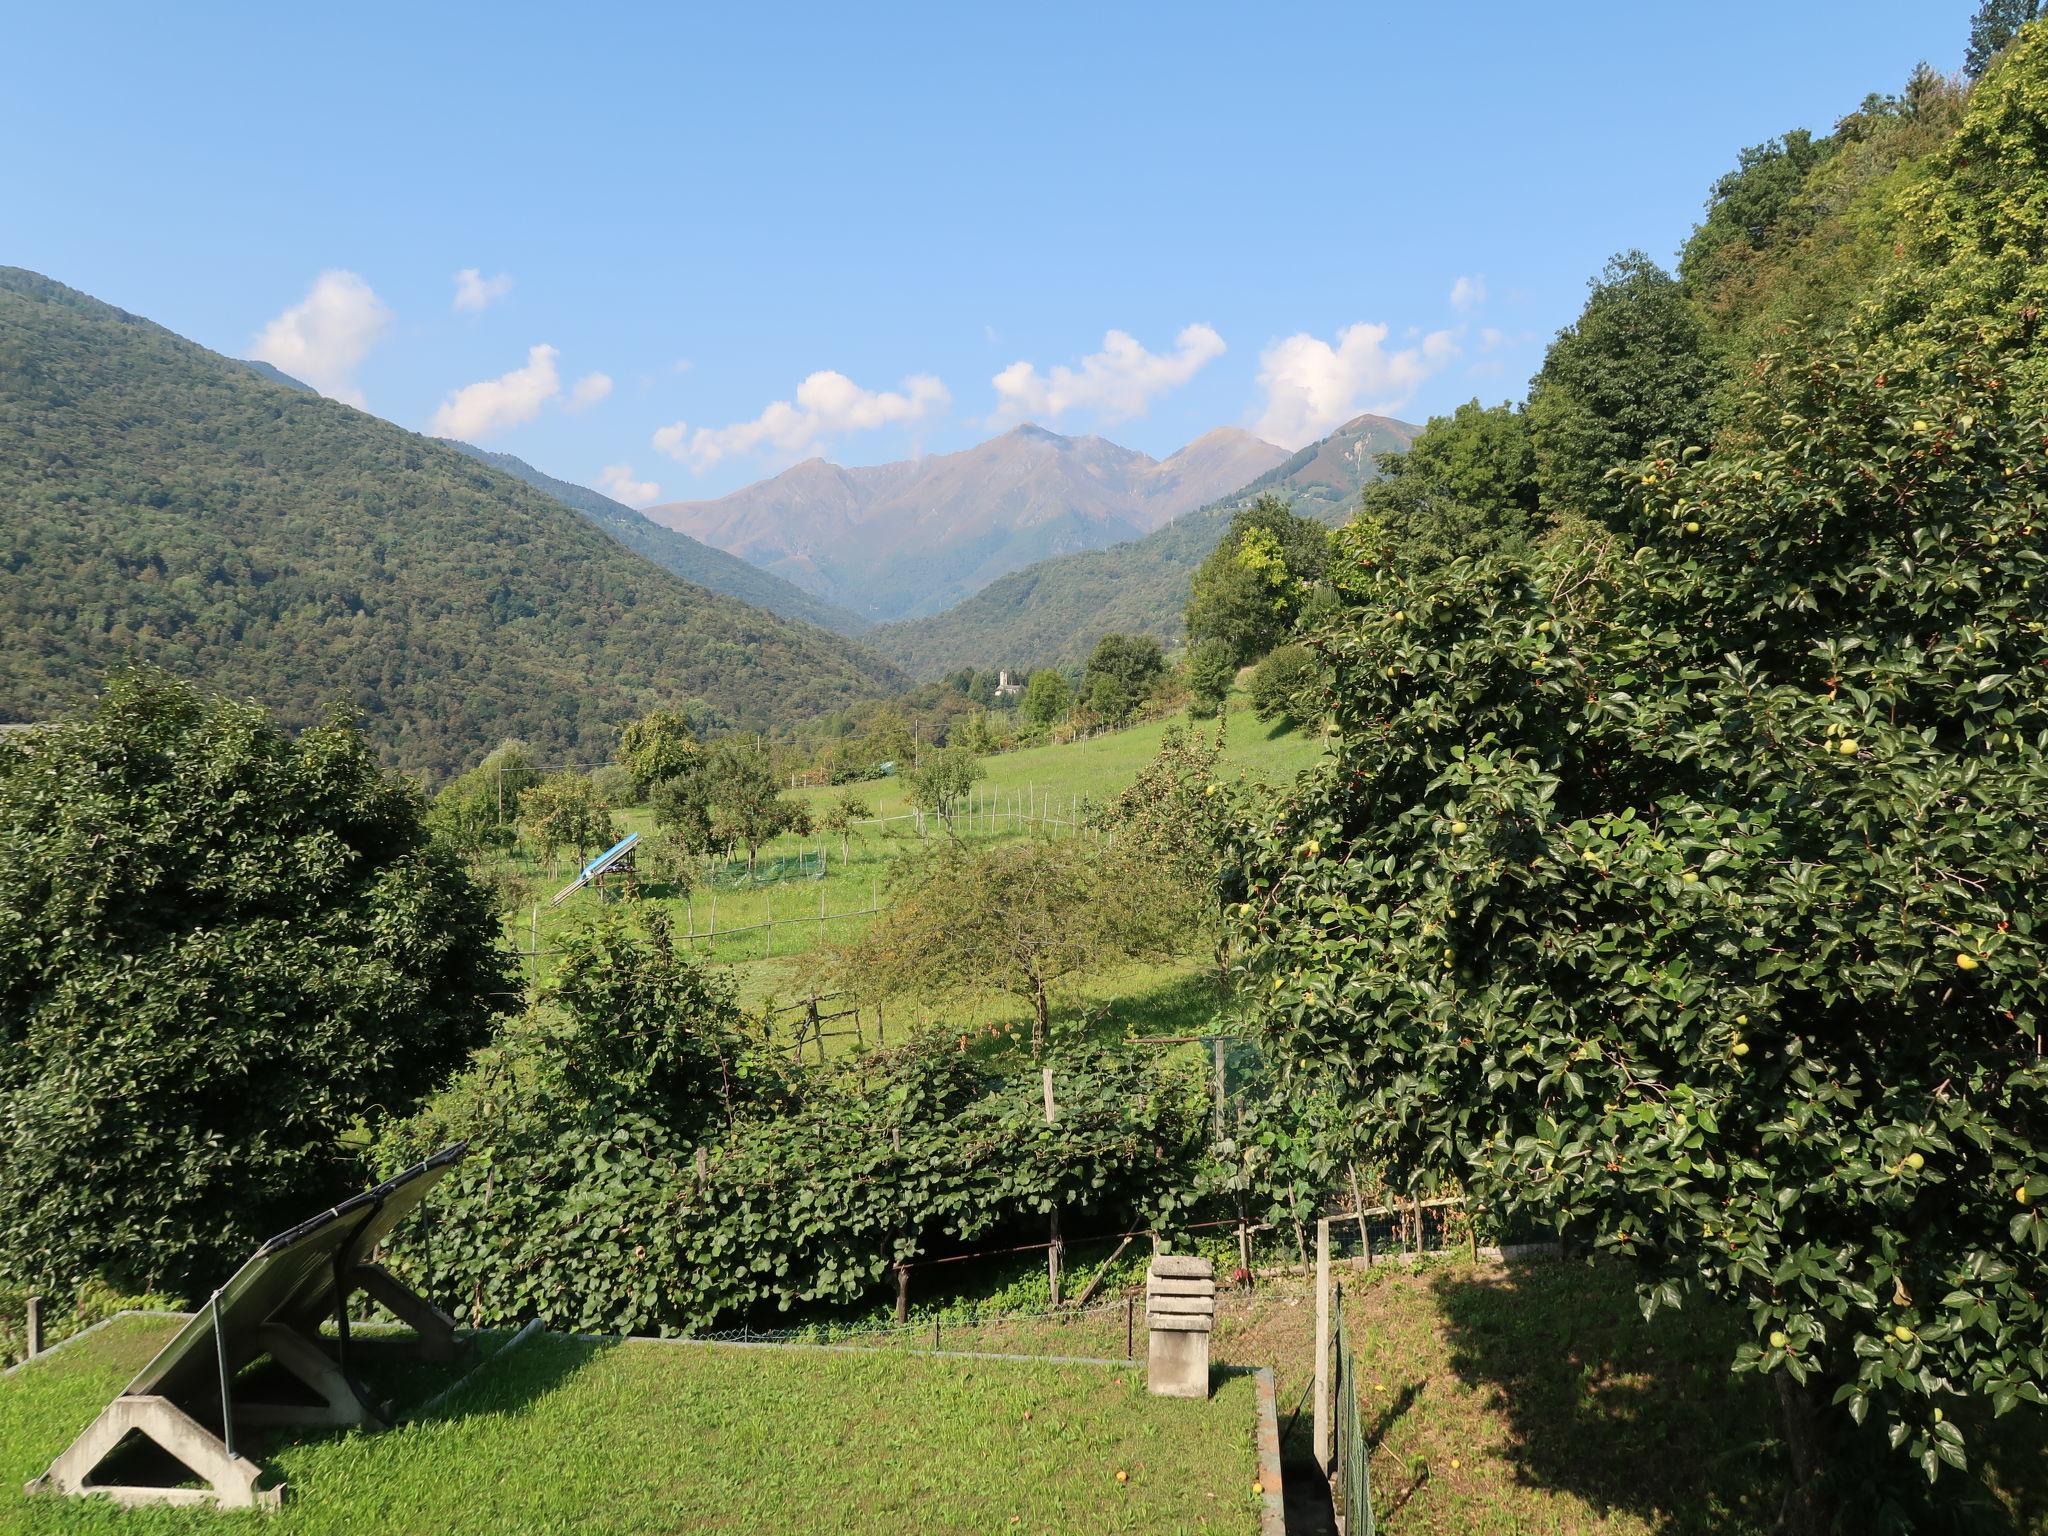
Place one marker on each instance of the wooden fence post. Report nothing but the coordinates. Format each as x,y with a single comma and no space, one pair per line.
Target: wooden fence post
1322,1415
35,1326
902,1293
1054,1253
1358,1207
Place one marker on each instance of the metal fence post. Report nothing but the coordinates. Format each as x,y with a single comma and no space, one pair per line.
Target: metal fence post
35,1326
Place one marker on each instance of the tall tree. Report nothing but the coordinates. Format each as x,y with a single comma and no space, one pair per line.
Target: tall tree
745,799
1047,698
661,744
1467,486
1992,30
1633,370
1121,673
1696,904
566,811
1250,588
220,947
1212,668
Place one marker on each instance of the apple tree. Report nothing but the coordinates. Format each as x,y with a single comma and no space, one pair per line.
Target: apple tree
1687,892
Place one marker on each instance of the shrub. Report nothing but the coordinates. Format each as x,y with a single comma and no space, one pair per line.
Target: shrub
1288,685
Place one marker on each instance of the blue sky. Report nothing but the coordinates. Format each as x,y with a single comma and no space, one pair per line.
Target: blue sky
1143,221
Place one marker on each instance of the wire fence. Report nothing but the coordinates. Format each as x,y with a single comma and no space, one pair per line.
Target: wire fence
1351,1472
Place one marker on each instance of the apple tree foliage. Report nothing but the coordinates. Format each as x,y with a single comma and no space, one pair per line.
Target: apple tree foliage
1687,891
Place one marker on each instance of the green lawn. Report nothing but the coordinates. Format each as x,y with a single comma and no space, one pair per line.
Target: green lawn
629,1438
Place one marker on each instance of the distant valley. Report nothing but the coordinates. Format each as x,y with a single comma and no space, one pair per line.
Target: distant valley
910,539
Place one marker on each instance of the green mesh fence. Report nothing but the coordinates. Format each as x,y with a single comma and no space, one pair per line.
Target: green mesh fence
1353,1461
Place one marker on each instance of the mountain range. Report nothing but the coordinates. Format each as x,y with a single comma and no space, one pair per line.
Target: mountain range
903,540
1052,612
689,558
168,504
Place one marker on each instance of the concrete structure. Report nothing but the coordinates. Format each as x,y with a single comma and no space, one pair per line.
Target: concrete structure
272,1307
1180,1308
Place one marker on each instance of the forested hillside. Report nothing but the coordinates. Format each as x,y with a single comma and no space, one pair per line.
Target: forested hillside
689,558
1052,613
167,504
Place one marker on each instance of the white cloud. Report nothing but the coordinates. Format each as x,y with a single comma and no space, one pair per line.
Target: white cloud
324,338
475,411
1118,382
1312,386
589,390
828,404
475,293
619,484
1468,293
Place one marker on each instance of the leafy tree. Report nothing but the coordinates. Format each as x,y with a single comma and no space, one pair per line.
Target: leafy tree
744,798
978,733
1694,901
1020,919
1249,590
1121,673
1750,208
682,809
840,817
1993,29
941,779
1174,822
220,947
660,745
1212,668
1288,685
478,811
1467,486
1047,698
1633,370
616,785
566,810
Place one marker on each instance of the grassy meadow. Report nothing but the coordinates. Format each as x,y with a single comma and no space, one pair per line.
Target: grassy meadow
662,1438
1039,790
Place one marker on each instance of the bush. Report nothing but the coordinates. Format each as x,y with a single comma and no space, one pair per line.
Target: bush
1288,685
220,946
1212,668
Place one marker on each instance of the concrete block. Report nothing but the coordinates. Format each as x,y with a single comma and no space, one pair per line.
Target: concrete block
1182,1267
1177,1364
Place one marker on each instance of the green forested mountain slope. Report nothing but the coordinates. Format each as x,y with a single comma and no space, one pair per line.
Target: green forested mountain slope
689,558
1052,613
161,502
